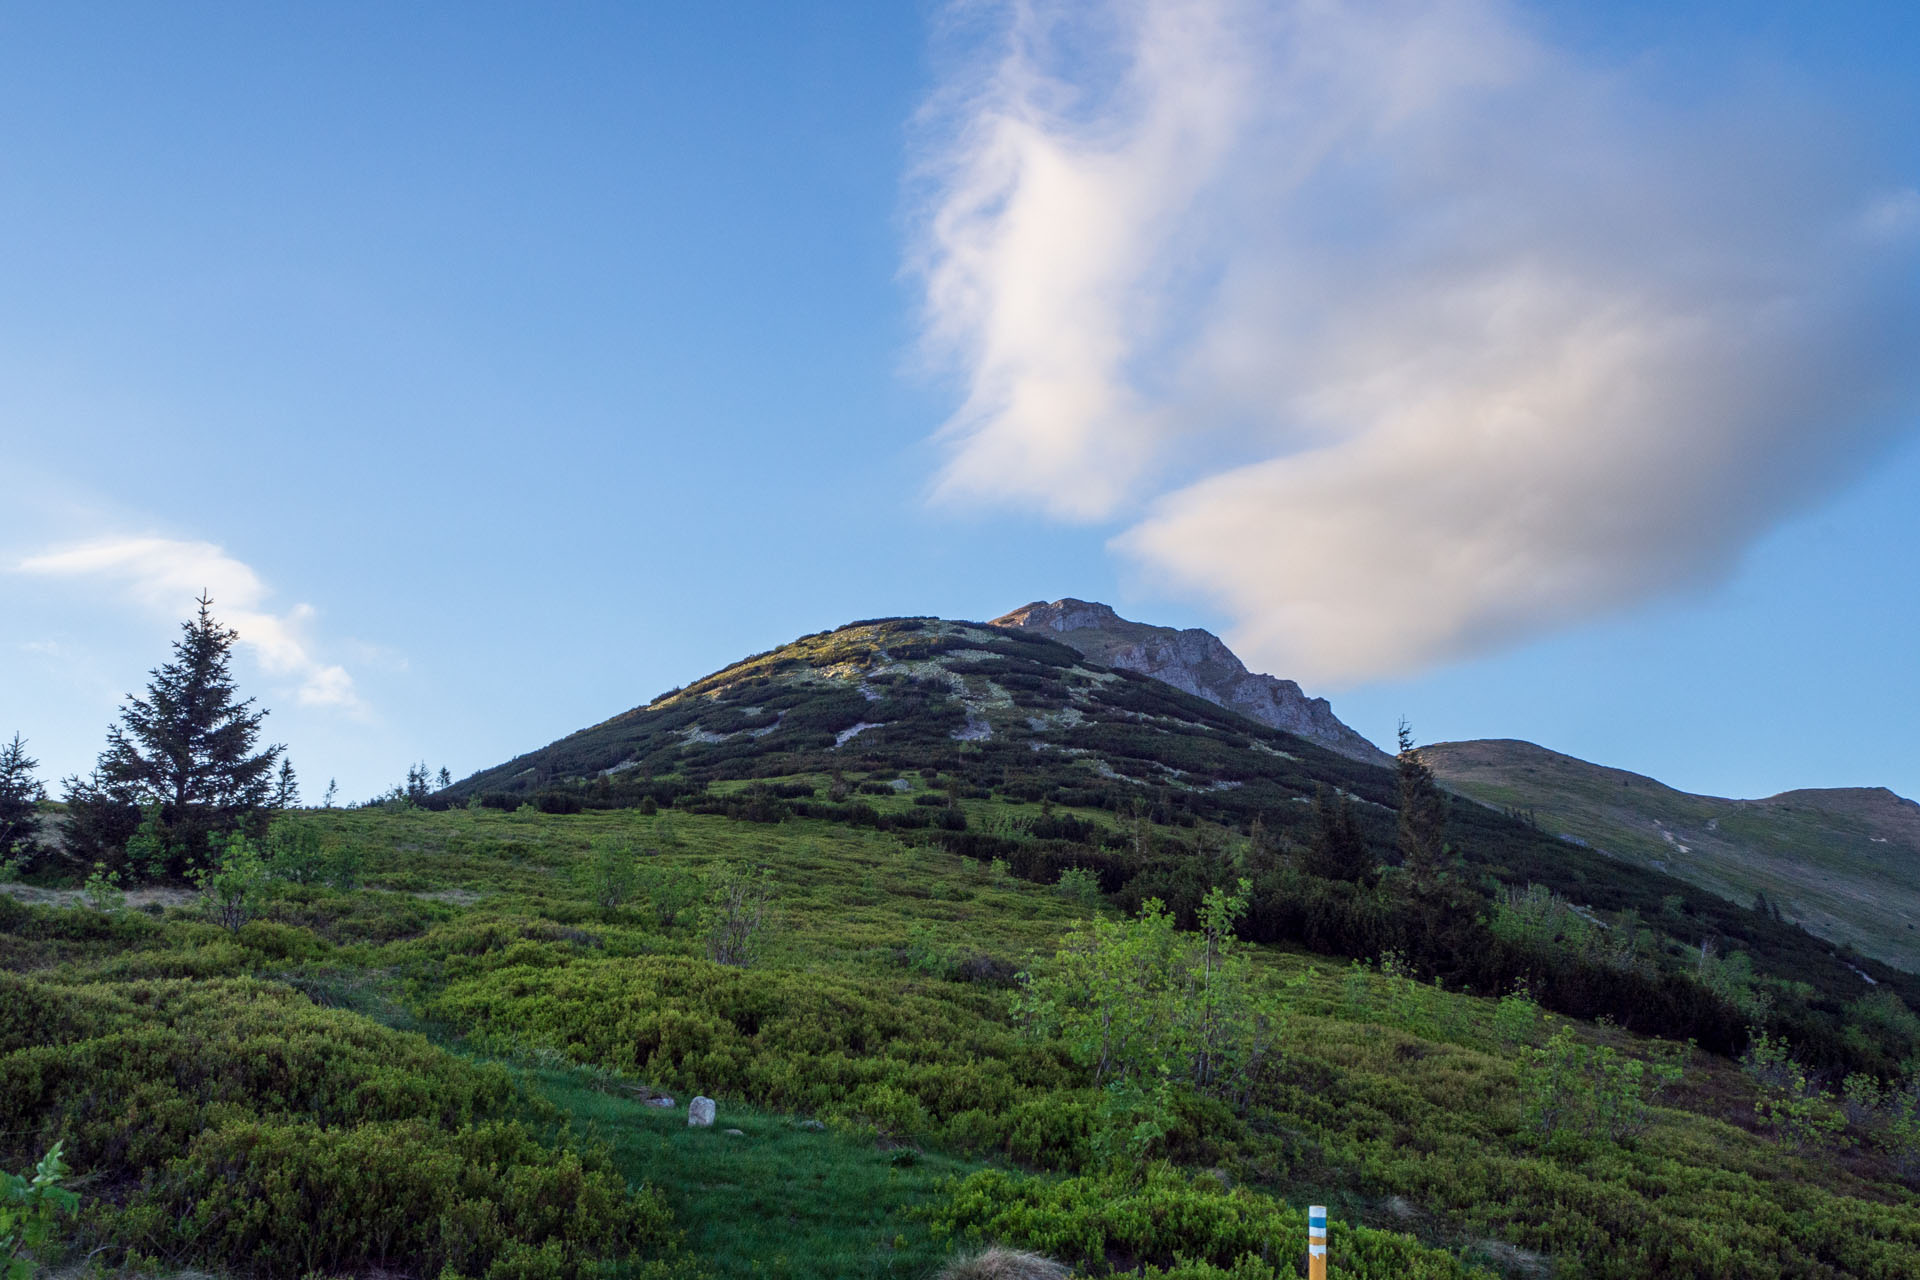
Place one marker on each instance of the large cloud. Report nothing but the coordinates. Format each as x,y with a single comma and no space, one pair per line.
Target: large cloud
164,575
1394,330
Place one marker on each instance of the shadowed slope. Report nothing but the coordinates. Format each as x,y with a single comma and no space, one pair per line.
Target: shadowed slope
1843,862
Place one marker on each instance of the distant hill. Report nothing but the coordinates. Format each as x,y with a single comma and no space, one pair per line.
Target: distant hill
1842,862
1197,662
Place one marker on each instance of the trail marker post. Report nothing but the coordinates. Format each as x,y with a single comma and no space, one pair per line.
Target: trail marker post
1317,1242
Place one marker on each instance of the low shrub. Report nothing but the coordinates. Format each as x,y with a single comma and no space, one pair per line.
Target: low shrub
241,1127
1164,1219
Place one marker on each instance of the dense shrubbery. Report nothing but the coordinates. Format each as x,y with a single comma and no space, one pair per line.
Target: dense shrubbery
573,926
237,1125
1189,764
1145,1008
934,1064
1166,1219
292,1198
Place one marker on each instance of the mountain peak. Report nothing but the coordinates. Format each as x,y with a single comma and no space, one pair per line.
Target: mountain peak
1195,661
1067,614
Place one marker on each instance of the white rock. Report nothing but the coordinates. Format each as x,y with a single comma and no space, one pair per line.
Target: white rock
700,1113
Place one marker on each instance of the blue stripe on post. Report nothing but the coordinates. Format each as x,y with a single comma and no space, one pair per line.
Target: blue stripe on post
1318,1223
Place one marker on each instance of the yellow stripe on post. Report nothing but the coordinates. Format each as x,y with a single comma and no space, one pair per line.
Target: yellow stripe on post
1317,1242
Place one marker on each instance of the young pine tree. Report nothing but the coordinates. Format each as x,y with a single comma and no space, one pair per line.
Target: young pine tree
419,784
286,787
1422,836
20,791
188,747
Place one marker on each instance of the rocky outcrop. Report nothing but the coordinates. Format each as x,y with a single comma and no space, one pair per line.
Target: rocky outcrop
1197,662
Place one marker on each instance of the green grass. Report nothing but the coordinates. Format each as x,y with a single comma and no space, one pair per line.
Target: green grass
779,1200
1400,1105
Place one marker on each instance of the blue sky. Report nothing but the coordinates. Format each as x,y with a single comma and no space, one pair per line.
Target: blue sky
499,369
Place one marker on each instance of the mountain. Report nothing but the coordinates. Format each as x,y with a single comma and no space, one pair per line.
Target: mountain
899,724
1004,704
1197,662
1842,862
886,905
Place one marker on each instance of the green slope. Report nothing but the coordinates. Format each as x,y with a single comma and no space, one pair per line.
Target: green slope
935,805
1845,862
1015,716
1403,1106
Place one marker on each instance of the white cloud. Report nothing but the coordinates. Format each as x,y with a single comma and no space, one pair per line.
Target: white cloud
164,576
1393,330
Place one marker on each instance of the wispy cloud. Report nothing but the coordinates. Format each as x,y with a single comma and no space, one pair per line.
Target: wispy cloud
164,575
1390,328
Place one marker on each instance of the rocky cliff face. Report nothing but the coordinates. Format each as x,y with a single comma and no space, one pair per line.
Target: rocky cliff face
1196,662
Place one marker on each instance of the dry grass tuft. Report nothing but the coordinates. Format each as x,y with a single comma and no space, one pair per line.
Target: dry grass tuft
1002,1264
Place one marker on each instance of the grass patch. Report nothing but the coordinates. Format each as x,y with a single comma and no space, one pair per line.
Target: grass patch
779,1200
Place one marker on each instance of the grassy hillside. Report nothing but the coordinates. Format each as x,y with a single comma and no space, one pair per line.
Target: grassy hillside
1845,863
1019,718
973,940
472,1005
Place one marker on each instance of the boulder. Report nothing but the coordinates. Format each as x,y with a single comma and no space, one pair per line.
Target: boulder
700,1113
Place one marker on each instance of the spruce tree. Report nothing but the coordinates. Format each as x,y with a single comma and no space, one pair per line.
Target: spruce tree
1422,835
286,787
187,747
20,791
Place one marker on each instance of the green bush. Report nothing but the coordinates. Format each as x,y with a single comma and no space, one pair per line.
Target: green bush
234,887
1079,885
1167,1220
1137,1002
486,1200
1574,1088
244,1128
839,1046
29,1207
611,873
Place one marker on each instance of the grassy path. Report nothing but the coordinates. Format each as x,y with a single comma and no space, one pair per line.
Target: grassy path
776,1200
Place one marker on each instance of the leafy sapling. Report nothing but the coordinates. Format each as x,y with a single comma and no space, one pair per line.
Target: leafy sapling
612,873
102,892
1079,885
233,888
29,1208
736,907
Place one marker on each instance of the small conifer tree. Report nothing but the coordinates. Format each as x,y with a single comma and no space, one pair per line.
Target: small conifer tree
286,787
1422,834
20,791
